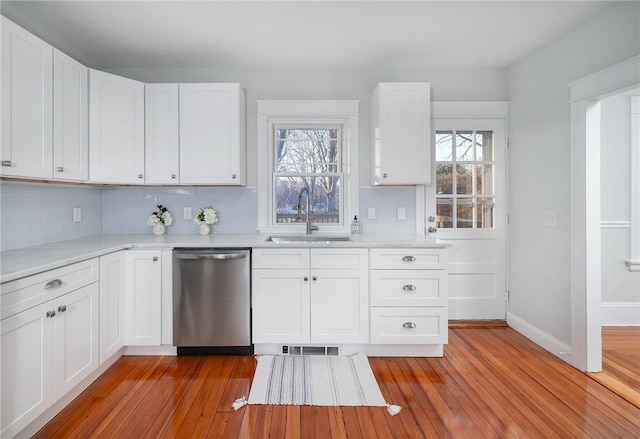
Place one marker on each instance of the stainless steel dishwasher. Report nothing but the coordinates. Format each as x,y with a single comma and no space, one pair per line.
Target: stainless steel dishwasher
211,301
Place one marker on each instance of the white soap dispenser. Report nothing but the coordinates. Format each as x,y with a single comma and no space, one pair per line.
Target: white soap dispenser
355,226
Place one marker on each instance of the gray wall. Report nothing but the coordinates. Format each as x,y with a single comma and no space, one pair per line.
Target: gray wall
539,160
618,283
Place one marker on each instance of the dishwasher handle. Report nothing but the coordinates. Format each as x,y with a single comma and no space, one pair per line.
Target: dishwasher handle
217,256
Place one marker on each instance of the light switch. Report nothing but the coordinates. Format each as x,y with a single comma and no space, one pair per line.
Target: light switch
550,218
77,214
186,213
371,213
402,213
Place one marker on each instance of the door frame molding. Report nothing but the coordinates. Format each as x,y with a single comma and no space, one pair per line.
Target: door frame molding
586,294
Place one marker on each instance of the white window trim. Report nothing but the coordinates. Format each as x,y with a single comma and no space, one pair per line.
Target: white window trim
278,112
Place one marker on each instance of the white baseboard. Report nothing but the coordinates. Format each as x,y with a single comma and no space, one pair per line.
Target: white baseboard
539,337
620,313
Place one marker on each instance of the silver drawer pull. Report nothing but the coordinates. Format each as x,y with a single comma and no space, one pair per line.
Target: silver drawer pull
6,163
173,176
409,258
409,325
234,176
306,279
140,175
409,287
59,169
51,314
62,308
53,284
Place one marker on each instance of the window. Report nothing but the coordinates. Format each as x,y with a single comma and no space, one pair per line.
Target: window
465,168
308,145
307,158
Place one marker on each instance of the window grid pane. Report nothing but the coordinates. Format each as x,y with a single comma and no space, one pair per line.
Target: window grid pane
467,196
307,158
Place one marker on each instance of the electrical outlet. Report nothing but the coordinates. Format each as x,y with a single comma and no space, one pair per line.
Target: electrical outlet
77,214
371,213
402,213
186,213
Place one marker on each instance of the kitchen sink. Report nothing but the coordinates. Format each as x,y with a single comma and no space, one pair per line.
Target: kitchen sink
308,239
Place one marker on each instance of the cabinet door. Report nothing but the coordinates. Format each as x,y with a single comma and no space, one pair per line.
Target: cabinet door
339,306
27,372
26,104
212,134
143,298
76,344
161,134
112,293
402,133
70,118
281,306
116,129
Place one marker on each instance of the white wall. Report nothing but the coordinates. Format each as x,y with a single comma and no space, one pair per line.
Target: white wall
620,287
446,85
539,162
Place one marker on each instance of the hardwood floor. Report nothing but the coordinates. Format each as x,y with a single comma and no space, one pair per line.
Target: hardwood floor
491,383
621,361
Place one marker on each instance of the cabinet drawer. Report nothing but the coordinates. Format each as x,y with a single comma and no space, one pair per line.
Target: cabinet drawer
285,258
30,291
409,287
408,259
419,325
341,258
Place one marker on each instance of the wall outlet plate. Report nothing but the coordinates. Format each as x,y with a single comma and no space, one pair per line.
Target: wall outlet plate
402,213
186,213
371,213
77,214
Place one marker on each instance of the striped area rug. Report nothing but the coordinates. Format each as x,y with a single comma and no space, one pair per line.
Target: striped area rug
315,380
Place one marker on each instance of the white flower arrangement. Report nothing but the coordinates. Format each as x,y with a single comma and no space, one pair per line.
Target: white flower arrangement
207,215
161,216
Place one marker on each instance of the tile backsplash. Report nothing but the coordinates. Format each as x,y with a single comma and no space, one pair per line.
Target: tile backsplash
40,213
126,210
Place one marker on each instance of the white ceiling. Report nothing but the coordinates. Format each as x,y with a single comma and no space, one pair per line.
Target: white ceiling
298,34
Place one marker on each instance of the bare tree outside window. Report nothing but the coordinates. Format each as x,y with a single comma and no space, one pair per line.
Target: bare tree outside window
307,157
465,190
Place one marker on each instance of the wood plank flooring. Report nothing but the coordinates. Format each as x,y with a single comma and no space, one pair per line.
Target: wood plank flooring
621,361
491,383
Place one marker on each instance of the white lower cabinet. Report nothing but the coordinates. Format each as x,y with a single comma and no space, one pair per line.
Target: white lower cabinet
112,295
409,296
143,301
317,296
49,348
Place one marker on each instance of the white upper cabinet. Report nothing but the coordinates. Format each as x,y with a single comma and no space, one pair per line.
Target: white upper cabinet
162,153
26,104
212,134
116,129
70,118
401,133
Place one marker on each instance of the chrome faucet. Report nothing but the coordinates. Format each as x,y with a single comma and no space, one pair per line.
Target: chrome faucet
310,226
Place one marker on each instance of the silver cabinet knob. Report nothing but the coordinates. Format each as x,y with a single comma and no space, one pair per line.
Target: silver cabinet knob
432,219
234,176
155,258
314,278
306,279
51,313
62,308
59,169
409,325
53,284
140,175
173,176
409,258
384,175
6,163
432,229
409,287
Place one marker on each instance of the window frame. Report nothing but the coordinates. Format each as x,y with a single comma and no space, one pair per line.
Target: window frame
272,114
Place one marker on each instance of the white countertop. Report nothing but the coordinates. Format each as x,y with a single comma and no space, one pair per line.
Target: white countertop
15,264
